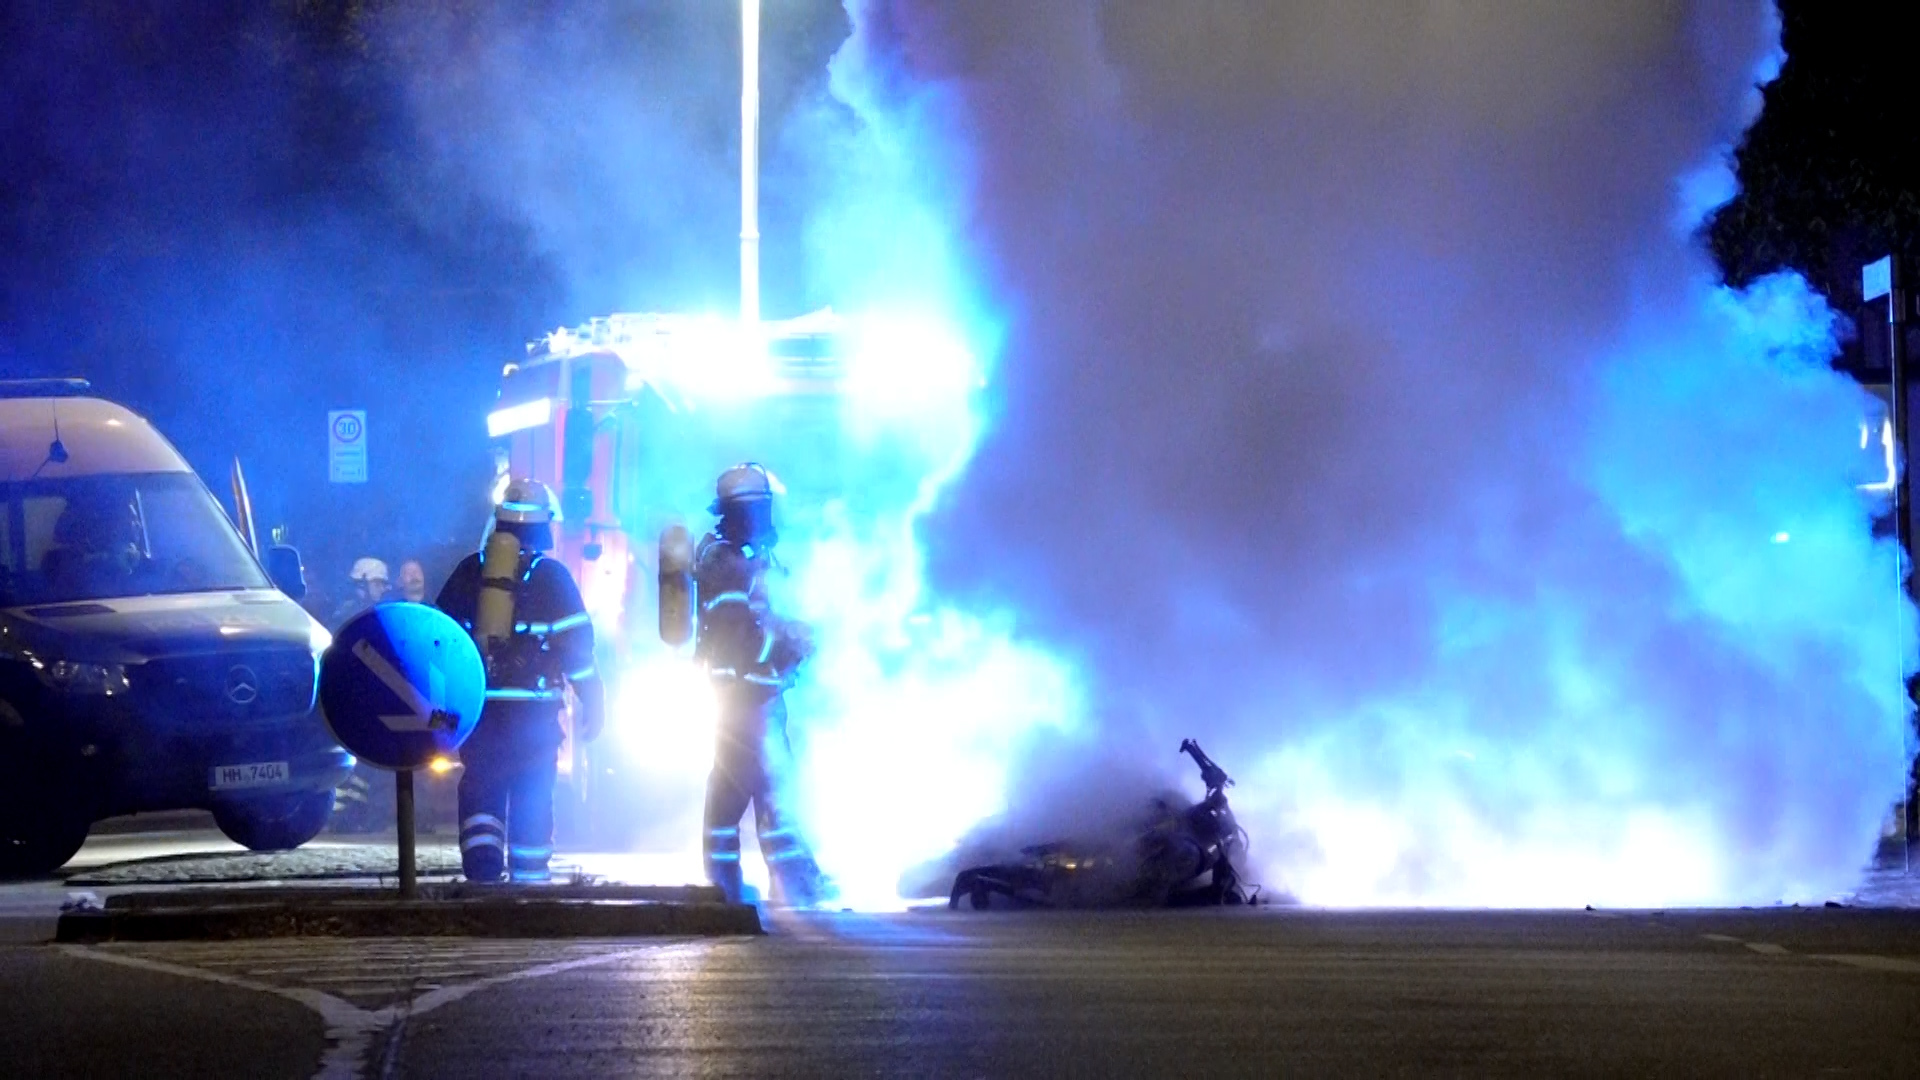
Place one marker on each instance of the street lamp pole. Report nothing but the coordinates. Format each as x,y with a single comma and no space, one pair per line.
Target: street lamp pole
750,163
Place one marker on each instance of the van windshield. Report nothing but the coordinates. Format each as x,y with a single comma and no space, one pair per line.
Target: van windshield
100,537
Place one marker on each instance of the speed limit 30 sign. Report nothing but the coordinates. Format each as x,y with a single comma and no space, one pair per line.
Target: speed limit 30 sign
347,446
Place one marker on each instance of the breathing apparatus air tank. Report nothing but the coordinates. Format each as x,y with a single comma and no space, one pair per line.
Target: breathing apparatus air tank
499,569
677,598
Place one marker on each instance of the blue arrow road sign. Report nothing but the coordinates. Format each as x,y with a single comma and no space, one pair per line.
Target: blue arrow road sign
400,684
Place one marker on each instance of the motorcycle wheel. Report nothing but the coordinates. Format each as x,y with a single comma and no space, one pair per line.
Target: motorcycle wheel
971,885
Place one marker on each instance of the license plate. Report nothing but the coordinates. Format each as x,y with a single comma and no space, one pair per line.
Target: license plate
251,775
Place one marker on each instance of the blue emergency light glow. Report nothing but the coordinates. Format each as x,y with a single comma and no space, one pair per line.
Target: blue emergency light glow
520,417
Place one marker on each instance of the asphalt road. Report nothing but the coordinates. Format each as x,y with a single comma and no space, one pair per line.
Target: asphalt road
1233,993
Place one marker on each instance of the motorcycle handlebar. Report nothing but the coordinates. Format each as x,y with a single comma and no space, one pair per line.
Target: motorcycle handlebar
1211,775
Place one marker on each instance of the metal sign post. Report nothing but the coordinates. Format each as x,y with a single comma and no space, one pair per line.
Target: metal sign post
400,685
403,812
1897,301
1884,277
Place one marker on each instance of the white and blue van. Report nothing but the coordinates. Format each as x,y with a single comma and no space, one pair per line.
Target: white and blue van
148,660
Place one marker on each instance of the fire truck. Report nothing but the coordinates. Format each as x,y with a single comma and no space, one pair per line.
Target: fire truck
629,418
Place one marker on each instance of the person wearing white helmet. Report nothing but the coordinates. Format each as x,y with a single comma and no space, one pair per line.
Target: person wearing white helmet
369,577
752,654
526,614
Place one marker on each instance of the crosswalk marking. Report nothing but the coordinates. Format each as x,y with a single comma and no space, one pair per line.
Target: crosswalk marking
369,987
367,974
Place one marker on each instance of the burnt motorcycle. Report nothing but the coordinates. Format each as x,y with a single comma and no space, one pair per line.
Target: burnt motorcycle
1181,856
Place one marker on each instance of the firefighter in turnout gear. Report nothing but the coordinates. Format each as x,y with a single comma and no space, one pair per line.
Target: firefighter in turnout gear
525,613
752,655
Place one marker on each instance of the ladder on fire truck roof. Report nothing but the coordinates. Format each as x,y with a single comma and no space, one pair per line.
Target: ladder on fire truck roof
628,329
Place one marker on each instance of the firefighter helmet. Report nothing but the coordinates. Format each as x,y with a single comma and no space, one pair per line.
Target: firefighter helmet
527,502
744,483
743,500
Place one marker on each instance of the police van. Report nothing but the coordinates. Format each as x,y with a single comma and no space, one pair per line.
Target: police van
148,660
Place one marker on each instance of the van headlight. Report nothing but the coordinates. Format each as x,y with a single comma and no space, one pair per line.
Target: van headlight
78,677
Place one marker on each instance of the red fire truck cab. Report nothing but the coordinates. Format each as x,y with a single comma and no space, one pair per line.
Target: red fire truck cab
629,419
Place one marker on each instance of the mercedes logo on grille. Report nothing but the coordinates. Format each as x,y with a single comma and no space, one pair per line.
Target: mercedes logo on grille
243,686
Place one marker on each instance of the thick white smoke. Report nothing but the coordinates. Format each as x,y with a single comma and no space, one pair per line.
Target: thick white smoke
1353,404
595,125
608,131
1362,413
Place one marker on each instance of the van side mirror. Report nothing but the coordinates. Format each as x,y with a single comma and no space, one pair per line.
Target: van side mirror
283,566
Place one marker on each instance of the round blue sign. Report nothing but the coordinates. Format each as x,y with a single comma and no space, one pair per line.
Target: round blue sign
402,684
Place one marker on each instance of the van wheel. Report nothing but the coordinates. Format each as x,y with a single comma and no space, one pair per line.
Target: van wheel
41,825
38,847
280,823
